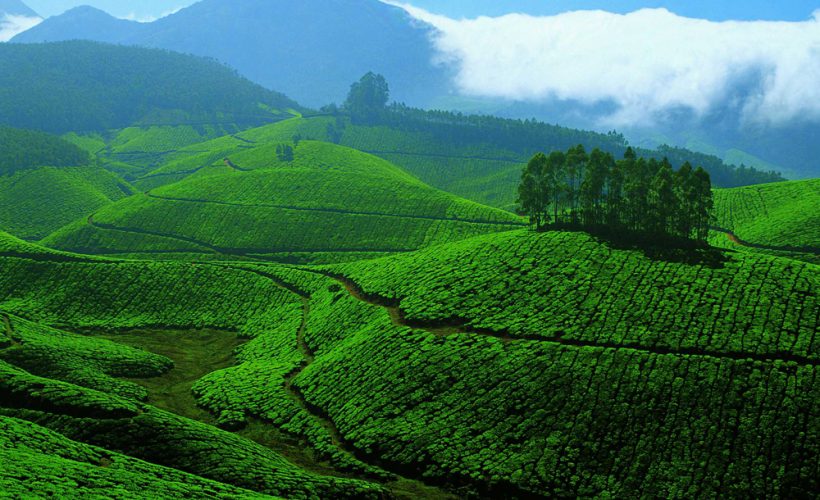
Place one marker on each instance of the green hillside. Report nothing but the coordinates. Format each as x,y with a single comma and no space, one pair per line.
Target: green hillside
24,149
478,158
79,86
552,354
514,364
36,202
70,387
328,203
784,214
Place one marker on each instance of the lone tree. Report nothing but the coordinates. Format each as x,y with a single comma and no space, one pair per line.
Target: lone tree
368,97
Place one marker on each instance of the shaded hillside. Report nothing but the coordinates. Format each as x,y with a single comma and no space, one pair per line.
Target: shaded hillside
328,203
85,86
22,149
36,202
342,39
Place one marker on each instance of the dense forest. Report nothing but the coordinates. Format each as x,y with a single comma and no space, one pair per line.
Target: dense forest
23,149
635,194
86,86
367,104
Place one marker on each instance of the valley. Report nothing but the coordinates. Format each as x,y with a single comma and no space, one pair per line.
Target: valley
211,290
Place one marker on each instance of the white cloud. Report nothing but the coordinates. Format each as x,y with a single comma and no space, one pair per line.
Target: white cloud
10,25
646,62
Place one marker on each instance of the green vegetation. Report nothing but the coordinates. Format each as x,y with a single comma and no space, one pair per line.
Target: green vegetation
23,149
36,202
65,87
783,216
593,191
329,199
37,462
594,295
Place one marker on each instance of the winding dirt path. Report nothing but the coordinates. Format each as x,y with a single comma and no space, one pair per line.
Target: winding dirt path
459,327
731,236
401,486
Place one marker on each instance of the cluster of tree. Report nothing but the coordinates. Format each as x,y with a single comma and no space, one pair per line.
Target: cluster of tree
592,190
23,149
284,152
86,86
367,104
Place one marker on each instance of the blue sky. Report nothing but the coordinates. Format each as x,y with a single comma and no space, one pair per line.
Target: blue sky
786,10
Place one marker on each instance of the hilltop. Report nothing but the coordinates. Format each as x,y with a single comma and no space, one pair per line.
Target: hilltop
328,203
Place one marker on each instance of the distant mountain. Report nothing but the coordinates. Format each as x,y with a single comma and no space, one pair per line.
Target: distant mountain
312,50
85,86
16,8
81,23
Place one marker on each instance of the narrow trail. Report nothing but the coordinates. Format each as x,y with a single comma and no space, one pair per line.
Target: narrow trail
731,236
401,486
459,327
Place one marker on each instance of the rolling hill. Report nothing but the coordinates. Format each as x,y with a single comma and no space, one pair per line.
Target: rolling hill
328,203
478,158
47,182
341,38
65,87
36,202
511,364
781,219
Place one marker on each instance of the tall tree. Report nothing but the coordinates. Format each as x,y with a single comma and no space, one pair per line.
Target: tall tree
615,195
662,199
704,204
592,187
556,176
575,163
686,192
534,192
368,97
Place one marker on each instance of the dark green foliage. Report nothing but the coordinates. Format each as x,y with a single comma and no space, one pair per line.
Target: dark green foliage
84,86
567,286
161,438
24,149
647,197
367,98
80,360
37,462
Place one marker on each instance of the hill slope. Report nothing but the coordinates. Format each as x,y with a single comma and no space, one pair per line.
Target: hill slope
84,86
560,353
344,38
36,202
22,149
328,200
784,214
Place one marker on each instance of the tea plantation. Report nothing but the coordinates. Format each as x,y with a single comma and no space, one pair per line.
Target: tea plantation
328,200
782,217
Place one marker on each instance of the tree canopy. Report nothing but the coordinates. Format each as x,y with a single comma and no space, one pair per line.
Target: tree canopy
368,96
592,190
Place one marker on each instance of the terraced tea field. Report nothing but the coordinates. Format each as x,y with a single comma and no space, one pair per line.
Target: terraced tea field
330,201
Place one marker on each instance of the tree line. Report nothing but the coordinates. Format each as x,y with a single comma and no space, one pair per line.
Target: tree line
593,190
